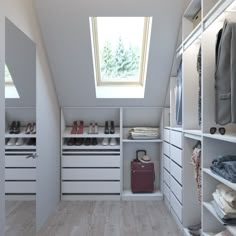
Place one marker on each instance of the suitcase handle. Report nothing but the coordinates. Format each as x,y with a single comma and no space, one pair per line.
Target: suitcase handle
138,151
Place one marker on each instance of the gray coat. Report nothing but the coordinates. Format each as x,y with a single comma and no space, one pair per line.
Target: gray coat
225,76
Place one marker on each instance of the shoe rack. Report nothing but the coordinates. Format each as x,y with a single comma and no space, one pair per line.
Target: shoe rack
20,162
187,210
102,172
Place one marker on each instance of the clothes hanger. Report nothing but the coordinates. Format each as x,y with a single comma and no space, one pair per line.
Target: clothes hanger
197,145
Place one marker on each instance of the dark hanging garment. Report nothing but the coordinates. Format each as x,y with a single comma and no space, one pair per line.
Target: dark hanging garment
225,75
199,70
178,95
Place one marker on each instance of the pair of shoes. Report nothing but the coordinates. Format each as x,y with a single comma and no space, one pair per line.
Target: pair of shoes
93,128
112,128
76,129
79,141
21,141
90,141
111,142
30,128
70,142
14,127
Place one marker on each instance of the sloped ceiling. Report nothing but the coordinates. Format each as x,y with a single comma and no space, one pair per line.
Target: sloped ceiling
66,33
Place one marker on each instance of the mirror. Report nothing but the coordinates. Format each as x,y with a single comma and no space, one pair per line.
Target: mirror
20,132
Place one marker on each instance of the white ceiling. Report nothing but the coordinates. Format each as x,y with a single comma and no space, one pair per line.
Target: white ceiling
66,33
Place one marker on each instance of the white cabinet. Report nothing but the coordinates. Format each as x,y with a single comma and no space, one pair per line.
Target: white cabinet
176,206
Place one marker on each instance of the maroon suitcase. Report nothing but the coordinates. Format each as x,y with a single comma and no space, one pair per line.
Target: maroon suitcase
142,176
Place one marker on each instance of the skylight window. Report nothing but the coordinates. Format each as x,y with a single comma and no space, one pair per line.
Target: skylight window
120,49
10,88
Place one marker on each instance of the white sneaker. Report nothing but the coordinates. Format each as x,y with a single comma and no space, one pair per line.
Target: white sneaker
20,141
12,142
105,141
90,128
113,142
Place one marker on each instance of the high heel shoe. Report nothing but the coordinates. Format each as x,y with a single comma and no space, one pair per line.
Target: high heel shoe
112,128
33,129
28,128
81,127
106,129
74,128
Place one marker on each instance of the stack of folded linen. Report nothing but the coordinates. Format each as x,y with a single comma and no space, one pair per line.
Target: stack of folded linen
143,133
225,166
224,204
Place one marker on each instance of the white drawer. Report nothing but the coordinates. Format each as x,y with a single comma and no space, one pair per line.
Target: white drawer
167,192
176,172
176,206
176,138
176,189
20,187
166,148
90,174
167,177
20,174
91,161
19,161
176,154
167,163
166,135
90,187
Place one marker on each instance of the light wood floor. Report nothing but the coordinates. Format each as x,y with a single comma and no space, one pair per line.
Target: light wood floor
20,218
105,218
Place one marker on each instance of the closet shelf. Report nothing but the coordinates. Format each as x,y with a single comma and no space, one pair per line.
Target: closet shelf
194,35
67,133
209,207
215,13
128,195
227,137
90,147
20,135
222,180
192,9
142,141
20,147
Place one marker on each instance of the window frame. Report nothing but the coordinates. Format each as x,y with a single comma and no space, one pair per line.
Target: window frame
143,59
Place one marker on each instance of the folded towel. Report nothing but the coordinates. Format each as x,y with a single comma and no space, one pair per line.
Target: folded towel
228,194
225,207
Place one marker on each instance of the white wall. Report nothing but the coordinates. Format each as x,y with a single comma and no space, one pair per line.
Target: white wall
23,15
2,120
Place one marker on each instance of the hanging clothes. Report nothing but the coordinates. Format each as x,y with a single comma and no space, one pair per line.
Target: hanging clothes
225,74
196,161
178,95
199,70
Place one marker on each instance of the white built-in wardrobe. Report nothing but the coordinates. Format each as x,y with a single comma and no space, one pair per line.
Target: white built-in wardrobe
179,185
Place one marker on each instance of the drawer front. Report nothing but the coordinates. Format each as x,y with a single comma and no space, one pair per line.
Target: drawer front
167,192
167,163
20,174
91,161
166,149
176,138
166,135
176,172
167,177
19,161
20,187
90,187
176,206
176,155
176,189
90,174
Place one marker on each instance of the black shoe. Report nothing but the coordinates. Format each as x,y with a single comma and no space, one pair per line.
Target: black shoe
79,141
31,142
106,129
94,142
87,142
70,142
112,129
12,127
16,128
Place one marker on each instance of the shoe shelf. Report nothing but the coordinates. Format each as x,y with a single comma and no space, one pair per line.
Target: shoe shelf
222,180
91,147
100,134
22,134
210,208
24,147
